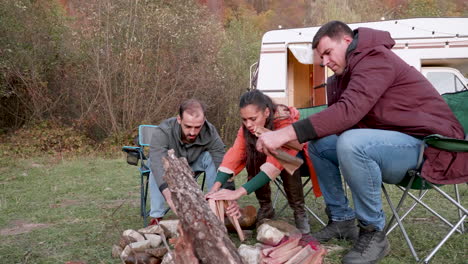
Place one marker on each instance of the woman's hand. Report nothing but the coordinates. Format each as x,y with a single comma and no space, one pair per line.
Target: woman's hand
233,209
215,188
227,195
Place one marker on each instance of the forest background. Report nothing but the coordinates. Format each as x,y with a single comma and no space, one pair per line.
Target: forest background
80,75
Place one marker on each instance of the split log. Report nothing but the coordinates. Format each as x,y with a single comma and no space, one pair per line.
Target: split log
291,144
201,228
289,162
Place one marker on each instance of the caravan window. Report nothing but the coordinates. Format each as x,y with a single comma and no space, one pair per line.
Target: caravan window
445,82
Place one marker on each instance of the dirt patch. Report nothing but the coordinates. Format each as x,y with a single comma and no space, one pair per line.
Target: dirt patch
65,203
120,203
21,227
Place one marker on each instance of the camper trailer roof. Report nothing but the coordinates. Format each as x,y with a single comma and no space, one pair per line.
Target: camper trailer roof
403,29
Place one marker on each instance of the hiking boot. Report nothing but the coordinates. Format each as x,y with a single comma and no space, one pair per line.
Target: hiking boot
337,229
265,212
302,223
371,246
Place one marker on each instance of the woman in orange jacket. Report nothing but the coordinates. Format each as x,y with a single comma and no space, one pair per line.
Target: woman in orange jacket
258,110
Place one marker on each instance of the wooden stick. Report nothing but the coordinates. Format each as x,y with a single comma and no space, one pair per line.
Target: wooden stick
220,205
291,144
235,222
289,162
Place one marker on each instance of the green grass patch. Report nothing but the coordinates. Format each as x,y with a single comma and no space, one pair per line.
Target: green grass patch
55,210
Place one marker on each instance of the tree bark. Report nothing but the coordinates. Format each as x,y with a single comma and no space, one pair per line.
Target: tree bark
201,228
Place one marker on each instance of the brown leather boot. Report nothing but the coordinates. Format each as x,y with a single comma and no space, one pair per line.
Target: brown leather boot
266,210
294,193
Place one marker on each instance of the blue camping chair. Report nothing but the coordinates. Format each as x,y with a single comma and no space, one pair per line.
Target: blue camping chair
140,153
458,102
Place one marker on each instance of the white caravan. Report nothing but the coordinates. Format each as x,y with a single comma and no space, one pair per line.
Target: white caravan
438,47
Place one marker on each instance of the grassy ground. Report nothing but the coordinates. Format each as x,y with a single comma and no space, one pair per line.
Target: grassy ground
54,210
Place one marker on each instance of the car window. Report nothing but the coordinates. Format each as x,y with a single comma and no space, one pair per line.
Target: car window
445,82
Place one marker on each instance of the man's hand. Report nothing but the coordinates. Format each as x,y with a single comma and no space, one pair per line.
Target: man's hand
270,141
167,195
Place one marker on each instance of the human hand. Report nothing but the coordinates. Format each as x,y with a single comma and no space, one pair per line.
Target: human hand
168,197
233,209
215,188
268,142
227,195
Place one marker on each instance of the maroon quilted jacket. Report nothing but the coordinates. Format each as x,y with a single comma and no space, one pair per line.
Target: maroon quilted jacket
379,90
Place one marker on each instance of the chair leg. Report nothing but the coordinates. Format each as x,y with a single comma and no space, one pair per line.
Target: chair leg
432,210
400,203
144,198
397,218
460,212
421,195
279,190
278,184
142,193
203,182
460,222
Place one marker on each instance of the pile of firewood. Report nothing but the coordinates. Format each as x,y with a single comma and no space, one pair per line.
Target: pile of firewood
199,236
282,246
293,251
147,245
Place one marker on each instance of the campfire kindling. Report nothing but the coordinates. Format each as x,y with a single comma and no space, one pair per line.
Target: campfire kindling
200,234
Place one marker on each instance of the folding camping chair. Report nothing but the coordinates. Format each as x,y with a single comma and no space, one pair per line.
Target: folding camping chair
304,113
304,171
141,153
414,180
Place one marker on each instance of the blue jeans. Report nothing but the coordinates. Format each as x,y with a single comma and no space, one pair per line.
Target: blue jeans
157,200
365,157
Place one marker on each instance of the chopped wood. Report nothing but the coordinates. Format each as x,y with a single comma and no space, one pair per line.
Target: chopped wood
157,252
269,235
152,229
286,255
133,235
289,162
304,253
220,205
291,144
316,258
285,247
235,222
213,206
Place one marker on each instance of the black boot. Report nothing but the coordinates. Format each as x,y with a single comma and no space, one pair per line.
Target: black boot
337,229
371,246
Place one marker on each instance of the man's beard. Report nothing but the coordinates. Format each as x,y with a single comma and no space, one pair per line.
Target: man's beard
189,140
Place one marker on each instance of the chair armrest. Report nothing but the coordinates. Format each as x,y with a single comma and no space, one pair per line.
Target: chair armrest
133,154
447,143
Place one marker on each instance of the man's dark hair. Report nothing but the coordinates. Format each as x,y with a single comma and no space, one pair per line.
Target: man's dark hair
333,30
191,106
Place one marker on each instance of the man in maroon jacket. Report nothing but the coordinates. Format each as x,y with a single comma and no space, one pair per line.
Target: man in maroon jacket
379,109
